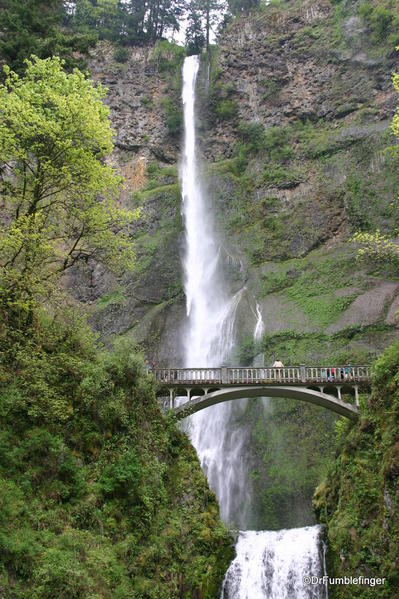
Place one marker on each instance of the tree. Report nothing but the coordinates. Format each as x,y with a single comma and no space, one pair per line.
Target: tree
54,137
127,21
101,16
395,121
195,36
203,16
34,27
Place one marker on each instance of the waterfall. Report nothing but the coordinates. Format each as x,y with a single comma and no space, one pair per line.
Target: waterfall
211,310
209,340
260,326
276,565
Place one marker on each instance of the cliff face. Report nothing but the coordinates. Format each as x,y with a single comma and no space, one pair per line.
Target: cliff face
294,131
313,61
144,100
300,111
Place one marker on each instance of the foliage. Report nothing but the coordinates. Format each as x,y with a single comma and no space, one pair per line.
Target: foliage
382,19
227,110
358,500
121,54
202,16
195,35
34,27
168,56
130,22
100,495
239,6
174,116
355,343
395,120
377,248
54,137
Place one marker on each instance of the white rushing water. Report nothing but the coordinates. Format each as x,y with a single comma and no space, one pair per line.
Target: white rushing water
260,325
209,338
276,565
260,567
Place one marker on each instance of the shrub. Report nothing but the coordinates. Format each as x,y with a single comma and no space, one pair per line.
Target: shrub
174,116
121,54
168,56
226,109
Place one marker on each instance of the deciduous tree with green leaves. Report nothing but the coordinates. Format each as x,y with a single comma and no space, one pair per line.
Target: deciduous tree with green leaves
59,196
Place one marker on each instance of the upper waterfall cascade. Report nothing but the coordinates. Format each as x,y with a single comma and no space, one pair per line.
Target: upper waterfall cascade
211,313
262,564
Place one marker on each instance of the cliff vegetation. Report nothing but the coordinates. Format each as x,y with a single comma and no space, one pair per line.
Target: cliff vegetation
358,500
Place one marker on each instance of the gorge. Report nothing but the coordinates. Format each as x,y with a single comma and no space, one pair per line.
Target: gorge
235,207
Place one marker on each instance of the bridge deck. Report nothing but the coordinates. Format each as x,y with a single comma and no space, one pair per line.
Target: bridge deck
233,376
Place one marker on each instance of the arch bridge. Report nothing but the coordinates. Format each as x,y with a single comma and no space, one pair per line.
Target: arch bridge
205,387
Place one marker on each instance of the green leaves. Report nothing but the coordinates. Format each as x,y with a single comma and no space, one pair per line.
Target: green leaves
100,496
59,193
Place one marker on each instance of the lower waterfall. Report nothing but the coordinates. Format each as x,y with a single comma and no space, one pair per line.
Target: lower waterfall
268,564
276,565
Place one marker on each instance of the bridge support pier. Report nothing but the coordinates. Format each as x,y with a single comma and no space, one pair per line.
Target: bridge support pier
171,399
339,392
357,396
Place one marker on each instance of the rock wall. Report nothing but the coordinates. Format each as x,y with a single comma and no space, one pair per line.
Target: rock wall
147,303
294,129
297,126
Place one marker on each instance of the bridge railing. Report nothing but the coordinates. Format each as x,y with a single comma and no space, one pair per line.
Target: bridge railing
190,376
253,376
323,374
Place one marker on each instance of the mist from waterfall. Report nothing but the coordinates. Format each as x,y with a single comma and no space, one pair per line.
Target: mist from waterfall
208,341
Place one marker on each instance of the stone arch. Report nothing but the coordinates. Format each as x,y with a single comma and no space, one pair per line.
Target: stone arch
300,393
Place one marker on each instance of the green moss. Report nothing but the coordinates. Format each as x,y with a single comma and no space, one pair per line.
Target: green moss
114,297
171,190
227,110
168,56
356,343
174,116
382,19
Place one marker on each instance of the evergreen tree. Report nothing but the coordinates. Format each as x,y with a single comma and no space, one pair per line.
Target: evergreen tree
34,27
195,36
203,16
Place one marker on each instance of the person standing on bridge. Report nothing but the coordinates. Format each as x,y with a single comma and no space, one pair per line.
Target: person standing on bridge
278,364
